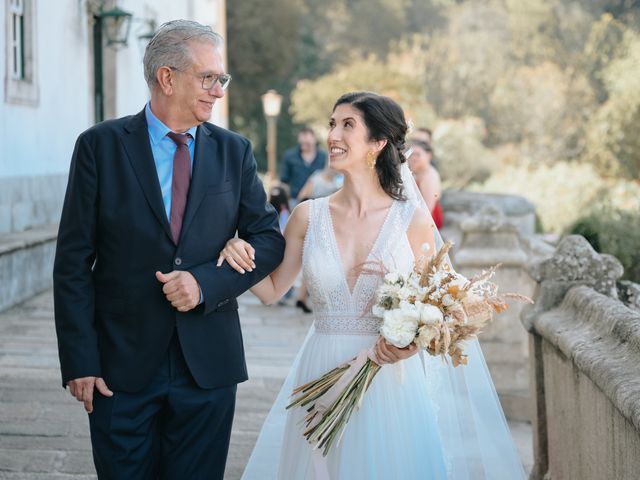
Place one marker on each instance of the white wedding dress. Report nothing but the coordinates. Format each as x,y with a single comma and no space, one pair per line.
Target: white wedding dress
420,419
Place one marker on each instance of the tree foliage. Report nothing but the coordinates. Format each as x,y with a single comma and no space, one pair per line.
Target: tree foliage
400,75
549,81
260,41
613,143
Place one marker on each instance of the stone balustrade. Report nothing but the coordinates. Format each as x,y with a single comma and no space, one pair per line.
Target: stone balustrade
585,350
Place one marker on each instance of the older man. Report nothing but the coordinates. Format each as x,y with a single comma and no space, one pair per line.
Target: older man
148,329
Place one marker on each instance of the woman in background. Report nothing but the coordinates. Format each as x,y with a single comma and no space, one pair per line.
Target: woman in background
279,198
427,178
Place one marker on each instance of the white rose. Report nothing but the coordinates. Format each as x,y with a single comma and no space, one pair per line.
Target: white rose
391,277
398,329
410,310
406,292
414,282
430,314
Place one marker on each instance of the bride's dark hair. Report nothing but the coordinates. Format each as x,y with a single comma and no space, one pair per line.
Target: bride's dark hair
384,119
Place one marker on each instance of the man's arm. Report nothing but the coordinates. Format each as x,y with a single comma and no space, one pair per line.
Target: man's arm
73,289
258,225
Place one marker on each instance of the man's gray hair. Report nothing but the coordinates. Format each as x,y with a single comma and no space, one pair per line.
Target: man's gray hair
170,46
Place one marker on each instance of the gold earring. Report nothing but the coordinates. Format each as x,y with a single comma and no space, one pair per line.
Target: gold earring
371,160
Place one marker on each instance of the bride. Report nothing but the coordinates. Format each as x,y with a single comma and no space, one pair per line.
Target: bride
421,418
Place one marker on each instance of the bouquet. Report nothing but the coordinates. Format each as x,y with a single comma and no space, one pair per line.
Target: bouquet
433,307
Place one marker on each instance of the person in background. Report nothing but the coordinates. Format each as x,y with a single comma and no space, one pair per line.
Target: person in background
423,134
299,163
321,184
427,178
279,199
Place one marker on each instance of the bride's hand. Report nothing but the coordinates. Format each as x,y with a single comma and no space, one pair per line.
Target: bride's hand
239,254
388,353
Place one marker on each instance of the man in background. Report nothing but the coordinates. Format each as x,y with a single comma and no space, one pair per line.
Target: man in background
300,162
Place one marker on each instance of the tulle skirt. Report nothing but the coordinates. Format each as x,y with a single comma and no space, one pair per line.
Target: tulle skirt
420,419
393,435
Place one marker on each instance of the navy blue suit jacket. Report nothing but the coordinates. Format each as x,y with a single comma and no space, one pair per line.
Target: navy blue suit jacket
112,318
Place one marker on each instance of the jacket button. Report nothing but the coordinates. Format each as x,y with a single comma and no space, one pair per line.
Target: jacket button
178,261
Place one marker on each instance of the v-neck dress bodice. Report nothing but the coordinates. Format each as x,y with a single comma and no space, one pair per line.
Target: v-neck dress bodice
338,309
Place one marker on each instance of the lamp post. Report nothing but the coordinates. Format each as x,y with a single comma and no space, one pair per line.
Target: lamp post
112,25
271,103
145,35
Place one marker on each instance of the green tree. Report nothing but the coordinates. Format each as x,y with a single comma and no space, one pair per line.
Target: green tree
400,76
613,143
261,45
532,104
465,62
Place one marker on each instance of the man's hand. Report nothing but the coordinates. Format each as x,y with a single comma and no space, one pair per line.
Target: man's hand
181,289
82,390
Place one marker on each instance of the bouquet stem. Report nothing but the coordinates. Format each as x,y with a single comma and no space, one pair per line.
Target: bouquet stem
334,397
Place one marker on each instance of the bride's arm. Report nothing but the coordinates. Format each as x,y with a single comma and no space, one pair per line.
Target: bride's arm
238,254
421,231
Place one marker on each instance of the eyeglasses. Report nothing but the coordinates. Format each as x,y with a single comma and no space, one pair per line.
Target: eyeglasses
209,80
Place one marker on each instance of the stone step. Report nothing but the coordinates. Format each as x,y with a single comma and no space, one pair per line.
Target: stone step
26,264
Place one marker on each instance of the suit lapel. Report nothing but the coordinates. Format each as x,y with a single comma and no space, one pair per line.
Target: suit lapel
205,169
138,148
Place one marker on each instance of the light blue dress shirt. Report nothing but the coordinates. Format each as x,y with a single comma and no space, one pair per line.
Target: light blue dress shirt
163,149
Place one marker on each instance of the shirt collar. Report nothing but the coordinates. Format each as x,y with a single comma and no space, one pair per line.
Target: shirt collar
157,129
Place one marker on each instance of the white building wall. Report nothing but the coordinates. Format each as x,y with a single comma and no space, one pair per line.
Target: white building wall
37,139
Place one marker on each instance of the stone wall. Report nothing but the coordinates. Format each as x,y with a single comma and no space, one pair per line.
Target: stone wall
585,351
30,202
26,264
29,211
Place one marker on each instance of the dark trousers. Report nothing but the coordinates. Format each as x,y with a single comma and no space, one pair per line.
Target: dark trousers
172,429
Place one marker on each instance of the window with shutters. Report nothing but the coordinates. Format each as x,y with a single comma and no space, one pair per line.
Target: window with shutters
21,83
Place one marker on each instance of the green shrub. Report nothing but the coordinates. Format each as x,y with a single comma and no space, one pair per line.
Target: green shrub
562,192
616,232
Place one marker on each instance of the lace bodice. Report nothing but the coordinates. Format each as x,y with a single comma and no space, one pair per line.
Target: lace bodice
338,310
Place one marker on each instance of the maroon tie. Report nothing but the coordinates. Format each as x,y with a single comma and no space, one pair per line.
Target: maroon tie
180,182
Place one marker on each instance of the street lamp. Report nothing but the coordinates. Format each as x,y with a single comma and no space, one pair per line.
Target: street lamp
145,35
112,25
271,103
116,24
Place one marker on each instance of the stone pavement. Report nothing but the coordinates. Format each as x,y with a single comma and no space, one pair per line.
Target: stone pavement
44,432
